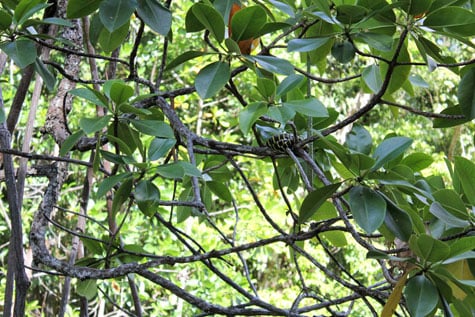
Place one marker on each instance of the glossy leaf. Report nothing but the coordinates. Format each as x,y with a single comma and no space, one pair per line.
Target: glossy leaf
359,140
147,196
116,13
90,95
273,64
462,245
390,149
210,19
429,248
466,94
438,211
81,8
315,200
367,207
452,202
289,83
306,45
26,9
159,147
421,296
247,22
155,15
465,170
250,114
308,107
153,127
21,51
372,78
91,125
211,79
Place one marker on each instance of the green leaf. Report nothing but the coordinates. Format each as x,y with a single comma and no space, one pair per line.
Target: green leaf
421,296
46,75
121,195
465,170
27,8
266,88
452,202
379,41
399,74
5,20
417,161
87,289
272,64
159,147
108,183
153,127
343,52
315,200
186,56
2,116
90,95
247,22
390,149
210,19
453,20
440,213
91,125
336,238
446,123
221,190
70,142
372,78
147,196
21,51
116,13
359,140
306,45
466,93
350,14
367,207
178,170
429,248
120,92
81,8
109,41
398,221
250,114
462,245
155,15
308,107
290,82
211,79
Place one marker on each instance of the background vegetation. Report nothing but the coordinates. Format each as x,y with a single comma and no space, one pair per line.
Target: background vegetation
197,158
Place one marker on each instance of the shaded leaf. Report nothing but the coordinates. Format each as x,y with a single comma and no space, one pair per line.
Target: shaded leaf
155,15
306,45
91,125
211,79
247,22
372,77
153,127
81,8
70,142
367,207
116,13
466,93
421,296
159,147
359,140
21,51
210,19
315,200
438,211
390,149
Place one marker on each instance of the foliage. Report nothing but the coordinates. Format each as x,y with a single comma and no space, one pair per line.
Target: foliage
238,158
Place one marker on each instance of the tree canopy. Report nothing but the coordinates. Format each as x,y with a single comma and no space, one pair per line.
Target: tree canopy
237,158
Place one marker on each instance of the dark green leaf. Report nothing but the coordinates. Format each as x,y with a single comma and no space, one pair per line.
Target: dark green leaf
120,92
350,14
462,245
121,195
359,140
81,8
250,114
109,41
308,107
247,22
91,125
90,95
153,127
70,142
417,161
159,147
440,213
446,123
367,207
306,45
273,64
465,170
289,83
398,221
429,248
452,202
183,58
21,51
452,19
266,87
116,13
178,170
421,296
211,79
108,183
399,74
343,52
210,19
221,190
315,200
390,149
122,145
26,8
46,75
147,196
466,93
155,15
5,20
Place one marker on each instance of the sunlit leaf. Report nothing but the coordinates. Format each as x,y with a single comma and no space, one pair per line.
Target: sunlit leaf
211,79
250,114
390,149
315,200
